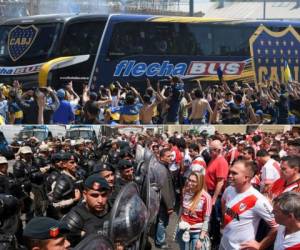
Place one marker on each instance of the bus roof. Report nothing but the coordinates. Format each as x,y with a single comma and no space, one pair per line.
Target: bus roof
146,18
52,18
182,19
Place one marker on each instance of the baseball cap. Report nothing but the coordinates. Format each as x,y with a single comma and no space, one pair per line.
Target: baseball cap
43,228
3,160
25,150
60,94
97,183
79,142
259,112
44,148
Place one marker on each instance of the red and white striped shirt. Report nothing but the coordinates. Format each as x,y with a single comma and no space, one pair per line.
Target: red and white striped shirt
243,212
232,155
202,210
270,172
287,241
279,187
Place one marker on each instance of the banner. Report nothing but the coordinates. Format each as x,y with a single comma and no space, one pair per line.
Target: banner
271,52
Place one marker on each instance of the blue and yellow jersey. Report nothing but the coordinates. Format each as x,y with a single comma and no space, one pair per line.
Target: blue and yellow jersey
130,114
15,110
115,113
77,112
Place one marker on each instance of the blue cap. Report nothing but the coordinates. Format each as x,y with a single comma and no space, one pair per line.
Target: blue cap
259,112
61,94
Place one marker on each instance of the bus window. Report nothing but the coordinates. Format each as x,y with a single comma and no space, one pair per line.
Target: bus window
42,46
231,40
161,38
127,39
142,38
203,38
82,38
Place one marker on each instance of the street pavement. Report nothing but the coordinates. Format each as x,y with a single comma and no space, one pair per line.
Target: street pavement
170,234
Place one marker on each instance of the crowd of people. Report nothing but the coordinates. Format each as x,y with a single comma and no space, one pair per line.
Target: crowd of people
238,191
169,102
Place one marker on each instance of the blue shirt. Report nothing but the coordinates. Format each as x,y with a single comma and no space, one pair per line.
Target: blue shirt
130,113
174,103
64,114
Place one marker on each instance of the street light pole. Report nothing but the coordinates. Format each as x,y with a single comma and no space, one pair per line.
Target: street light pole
264,10
191,7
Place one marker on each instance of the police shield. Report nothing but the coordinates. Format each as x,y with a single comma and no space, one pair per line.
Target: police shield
94,242
150,193
151,197
129,216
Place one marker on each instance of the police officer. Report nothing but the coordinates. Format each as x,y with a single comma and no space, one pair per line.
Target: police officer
68,165
126,170
26,173
91,216
80,151
113,152
107,172
32,166
4,185
9,222
43,233
65,189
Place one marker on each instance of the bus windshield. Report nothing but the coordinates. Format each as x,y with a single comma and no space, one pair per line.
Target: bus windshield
40,48
26,134
77,134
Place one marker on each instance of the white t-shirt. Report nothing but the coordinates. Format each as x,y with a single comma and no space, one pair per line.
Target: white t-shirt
288,241
270,172
114,101
243,212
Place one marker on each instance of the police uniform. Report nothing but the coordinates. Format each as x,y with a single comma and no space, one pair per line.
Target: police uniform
81,221
122,165
9,221
98,168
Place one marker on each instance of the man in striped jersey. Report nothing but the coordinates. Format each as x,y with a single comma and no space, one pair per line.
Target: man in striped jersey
243,207
290,177
287,215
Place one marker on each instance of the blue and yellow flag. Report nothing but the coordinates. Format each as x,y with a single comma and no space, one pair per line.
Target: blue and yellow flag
287,73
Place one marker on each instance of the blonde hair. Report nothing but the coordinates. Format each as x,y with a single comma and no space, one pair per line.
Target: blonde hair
200,187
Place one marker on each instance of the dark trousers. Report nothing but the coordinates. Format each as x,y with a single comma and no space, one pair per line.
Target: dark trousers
215,220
